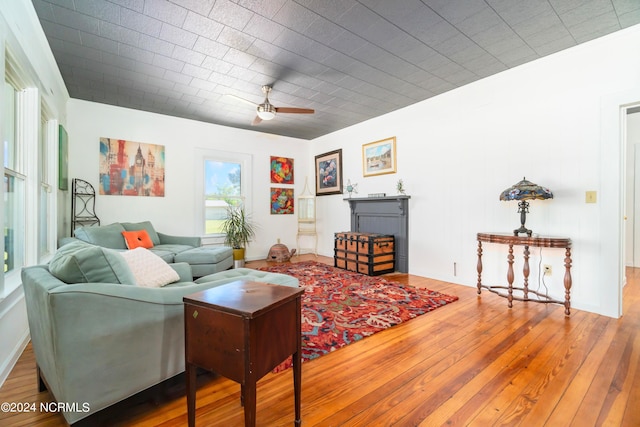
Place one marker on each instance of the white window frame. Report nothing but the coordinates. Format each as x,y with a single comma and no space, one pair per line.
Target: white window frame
28,130
201,156
48,183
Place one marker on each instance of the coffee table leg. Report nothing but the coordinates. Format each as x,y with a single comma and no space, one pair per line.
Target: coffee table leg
297,383
297,363
249,394
191,394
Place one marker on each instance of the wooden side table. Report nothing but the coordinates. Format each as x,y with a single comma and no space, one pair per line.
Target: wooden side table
526,241
242,330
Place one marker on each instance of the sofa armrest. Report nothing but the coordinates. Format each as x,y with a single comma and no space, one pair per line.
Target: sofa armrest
100,342
184,271
166,239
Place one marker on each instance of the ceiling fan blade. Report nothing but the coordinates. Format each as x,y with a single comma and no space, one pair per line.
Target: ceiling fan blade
246,101
256,121
293,110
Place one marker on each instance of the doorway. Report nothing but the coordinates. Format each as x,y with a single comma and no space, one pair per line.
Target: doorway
629,241
632,205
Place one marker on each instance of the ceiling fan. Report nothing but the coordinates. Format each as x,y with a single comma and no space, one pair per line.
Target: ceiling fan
267,111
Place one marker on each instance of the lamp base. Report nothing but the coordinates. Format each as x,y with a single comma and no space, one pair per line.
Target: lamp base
522,230
523,209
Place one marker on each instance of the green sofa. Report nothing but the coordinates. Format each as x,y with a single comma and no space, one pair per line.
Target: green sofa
204,260
102,339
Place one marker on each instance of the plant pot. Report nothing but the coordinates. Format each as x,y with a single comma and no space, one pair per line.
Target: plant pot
238,258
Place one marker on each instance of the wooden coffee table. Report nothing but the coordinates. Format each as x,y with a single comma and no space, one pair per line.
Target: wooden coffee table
242,330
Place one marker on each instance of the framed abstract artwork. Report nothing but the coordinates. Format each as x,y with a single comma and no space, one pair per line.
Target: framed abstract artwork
63,159
281,170
282,201
379,157
129,168
329,173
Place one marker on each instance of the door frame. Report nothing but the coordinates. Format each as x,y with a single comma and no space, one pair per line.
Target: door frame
613,152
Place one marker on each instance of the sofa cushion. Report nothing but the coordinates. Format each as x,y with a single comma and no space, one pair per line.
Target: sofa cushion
137,239
144,225
108,236
205,255
80,262
250,275
167,256
149,270
173,248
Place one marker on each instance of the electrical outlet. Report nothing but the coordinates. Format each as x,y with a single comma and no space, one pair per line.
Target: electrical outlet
547,270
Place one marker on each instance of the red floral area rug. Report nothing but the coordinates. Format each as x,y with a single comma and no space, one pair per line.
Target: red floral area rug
340,307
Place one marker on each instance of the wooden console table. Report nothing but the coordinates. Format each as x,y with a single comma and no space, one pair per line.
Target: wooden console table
526,241
242,330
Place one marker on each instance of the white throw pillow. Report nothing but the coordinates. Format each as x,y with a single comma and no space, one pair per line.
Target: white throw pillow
149,270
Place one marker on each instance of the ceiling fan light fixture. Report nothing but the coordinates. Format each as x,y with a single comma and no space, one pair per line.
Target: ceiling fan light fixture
266,111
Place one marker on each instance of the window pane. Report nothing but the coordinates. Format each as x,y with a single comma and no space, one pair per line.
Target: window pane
222,188
43,222
9,126
14,223
44,201
222,178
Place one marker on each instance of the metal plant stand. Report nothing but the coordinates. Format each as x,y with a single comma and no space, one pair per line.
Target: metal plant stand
83,204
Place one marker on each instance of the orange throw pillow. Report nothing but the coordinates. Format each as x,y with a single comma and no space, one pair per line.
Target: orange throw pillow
137,239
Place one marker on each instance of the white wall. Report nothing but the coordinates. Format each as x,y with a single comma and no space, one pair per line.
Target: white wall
456,153
175,213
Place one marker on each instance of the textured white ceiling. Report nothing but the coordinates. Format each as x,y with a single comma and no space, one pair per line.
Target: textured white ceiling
349,60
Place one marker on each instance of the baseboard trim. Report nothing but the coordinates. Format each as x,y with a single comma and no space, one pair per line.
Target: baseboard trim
10,315
7,367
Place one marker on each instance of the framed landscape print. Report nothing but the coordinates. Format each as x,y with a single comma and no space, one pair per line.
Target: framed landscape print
329,173
379,157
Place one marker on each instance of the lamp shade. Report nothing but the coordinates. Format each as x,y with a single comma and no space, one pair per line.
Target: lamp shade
526,190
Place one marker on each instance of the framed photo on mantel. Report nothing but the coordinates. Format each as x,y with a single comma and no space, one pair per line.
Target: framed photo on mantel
329,173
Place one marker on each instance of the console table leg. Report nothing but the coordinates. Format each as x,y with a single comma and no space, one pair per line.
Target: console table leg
525,273
510,276
567,282
479,266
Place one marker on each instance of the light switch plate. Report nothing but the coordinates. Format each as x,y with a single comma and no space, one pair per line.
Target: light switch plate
590,197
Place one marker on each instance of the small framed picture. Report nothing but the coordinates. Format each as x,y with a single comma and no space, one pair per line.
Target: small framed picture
63,159
281,201
281,170
329,173
379,157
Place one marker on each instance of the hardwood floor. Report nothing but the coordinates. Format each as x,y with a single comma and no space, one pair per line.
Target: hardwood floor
474,362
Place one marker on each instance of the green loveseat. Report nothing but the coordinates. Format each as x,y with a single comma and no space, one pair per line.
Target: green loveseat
104,340
204,260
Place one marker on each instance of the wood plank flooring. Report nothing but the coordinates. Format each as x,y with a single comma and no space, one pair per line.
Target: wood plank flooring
474,362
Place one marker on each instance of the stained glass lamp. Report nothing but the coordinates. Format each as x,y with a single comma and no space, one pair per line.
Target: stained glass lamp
523,191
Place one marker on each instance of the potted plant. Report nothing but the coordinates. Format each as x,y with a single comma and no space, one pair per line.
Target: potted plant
239,230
